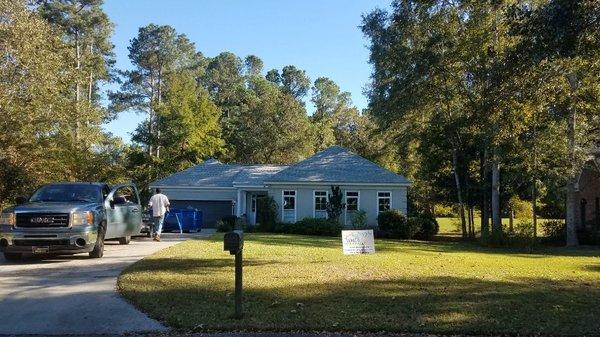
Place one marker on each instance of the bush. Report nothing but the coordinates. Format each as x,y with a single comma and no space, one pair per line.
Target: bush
427,226
227,223
360,220
267,214
589,235
393,224
311,226
521,236
555,231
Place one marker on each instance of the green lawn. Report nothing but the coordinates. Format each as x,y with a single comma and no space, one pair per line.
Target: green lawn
305,283
451,226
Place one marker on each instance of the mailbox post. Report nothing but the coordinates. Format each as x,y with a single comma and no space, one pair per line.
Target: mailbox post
234,243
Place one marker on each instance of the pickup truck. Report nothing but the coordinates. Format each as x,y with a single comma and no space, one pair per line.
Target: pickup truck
70,218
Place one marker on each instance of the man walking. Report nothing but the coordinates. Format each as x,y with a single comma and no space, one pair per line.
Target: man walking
160,205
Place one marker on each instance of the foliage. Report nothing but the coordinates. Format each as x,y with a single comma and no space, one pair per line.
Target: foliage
272,127
335,204
227,223
311,226
483,96
428,227
359,221
267,212
521,209
184,286
393,224
521,236
554,231
47,131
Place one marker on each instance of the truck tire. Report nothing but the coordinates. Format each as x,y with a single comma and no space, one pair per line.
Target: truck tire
12,256
98,250
125,240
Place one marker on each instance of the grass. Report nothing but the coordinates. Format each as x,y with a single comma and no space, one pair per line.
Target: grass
451,226
306,283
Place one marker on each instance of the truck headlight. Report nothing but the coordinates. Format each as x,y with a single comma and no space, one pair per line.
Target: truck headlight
82,218
8,218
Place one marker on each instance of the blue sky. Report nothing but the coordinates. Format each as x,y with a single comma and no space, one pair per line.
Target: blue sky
321,37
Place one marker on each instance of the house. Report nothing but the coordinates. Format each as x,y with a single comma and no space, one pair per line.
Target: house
588,193
300,190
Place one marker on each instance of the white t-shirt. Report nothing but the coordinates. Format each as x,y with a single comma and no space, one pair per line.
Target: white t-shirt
159,203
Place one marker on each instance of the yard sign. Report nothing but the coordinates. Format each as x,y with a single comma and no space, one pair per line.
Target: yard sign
358,241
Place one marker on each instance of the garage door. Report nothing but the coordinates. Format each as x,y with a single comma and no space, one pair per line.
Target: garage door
212,211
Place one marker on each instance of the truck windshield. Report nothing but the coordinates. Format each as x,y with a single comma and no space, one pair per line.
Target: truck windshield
68,193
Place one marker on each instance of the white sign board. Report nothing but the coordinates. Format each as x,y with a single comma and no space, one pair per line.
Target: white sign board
358,241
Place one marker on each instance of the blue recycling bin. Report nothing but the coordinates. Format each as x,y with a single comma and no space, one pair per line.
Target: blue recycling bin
173,221
183,220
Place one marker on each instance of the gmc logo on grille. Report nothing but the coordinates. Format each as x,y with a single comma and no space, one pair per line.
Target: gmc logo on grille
40,219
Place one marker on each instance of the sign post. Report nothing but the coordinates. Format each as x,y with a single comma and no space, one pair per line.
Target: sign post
234,243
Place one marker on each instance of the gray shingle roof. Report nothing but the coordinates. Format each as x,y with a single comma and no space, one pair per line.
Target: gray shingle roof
213,173
333,165
255,175
337,165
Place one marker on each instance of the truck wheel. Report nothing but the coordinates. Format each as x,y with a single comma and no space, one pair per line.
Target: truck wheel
98,250
12,256
125,240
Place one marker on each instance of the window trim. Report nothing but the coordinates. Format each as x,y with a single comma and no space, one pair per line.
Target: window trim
315,202
346,202
378,197
283,204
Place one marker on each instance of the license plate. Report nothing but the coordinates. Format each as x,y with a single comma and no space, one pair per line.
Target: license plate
40,250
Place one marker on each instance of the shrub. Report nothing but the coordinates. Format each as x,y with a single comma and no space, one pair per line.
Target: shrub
335,204
359,221
521,236
227,223
522,209
555,231
589,235
266,214
393,224
427,226
445,211
311,226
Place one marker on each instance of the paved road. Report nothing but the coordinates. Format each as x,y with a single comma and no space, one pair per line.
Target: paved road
75,294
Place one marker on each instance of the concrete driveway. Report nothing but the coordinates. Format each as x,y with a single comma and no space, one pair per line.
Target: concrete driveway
75,294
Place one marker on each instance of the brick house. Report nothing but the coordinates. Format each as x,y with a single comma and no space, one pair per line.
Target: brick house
588,193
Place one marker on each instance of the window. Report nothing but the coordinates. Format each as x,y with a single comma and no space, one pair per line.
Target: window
384,201
289,206
352,201
352,206
320,204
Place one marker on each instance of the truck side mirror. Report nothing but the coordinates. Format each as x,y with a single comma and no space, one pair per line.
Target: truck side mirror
20,200
233,242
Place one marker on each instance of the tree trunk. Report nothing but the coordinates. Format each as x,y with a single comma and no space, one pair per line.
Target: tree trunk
511,221
159,98
496,218
534,185
573,176
485,213
461,204
77,90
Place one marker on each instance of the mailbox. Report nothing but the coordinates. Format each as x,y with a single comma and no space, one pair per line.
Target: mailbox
233,242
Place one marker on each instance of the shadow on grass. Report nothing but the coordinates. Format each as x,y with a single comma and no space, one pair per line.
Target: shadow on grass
431,304
196,266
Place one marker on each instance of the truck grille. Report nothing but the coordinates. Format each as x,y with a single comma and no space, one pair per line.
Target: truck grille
42,220
27,243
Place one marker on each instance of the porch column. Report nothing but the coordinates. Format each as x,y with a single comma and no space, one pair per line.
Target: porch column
238,204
